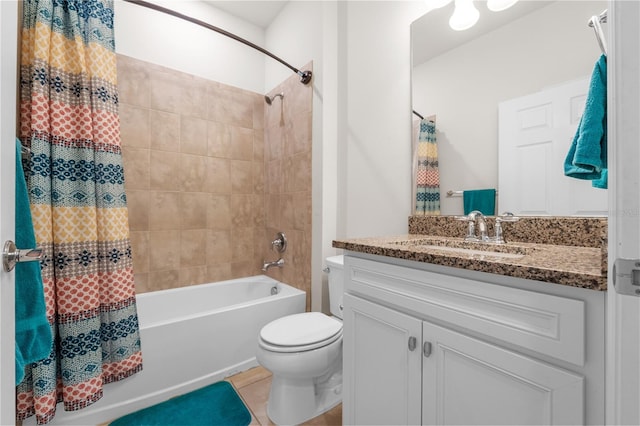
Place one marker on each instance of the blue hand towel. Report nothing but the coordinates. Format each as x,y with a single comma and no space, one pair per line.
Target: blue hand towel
33,332
587,156
483,200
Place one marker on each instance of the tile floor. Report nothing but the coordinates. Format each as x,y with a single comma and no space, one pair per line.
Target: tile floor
253,387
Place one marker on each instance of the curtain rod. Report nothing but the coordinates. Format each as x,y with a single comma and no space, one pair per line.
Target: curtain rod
305,76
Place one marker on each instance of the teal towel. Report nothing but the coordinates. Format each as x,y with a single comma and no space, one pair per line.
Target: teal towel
587,156
483,200
33,333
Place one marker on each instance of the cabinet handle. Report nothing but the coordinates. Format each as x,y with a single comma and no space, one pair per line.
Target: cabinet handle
412,343
426,349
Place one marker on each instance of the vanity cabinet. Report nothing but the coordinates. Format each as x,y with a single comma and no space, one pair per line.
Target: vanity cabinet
423,347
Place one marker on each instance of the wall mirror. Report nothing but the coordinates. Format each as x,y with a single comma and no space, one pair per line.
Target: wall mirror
461,78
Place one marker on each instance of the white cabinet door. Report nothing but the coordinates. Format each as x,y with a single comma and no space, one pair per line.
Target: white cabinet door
535,133
382,380
469,381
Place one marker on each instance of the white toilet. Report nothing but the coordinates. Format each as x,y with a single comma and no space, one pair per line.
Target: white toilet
304,354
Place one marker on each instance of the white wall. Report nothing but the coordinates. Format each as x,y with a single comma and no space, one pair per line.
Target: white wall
378,134
464,86
165,40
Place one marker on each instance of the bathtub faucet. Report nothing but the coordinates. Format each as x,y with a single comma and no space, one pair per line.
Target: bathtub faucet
279,263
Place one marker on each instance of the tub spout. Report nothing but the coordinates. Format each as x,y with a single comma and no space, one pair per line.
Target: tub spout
279,263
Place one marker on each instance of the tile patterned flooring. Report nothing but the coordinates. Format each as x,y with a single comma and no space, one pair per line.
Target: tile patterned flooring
253,387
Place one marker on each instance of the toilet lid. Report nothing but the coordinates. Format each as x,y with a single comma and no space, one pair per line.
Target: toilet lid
300,329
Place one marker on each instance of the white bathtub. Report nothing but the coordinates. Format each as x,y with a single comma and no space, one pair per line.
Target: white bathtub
191,337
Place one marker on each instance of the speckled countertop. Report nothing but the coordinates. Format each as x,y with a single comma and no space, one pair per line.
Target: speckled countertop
562,250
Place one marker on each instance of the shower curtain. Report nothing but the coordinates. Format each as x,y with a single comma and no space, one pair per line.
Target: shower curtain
69,120
427,176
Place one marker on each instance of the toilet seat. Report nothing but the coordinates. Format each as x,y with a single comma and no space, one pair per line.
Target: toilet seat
300,332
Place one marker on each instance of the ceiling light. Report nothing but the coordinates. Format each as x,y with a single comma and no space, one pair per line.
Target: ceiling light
499,5
465,15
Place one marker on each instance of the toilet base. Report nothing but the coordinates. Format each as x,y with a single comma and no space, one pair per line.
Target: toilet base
293,401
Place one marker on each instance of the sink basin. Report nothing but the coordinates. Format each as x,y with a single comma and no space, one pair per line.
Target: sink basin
470,248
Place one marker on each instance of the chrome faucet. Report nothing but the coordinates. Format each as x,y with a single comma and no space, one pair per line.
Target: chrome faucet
505,217
474,217
279,263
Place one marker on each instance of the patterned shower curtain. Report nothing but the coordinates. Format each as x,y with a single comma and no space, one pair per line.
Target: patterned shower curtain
69,120
427,174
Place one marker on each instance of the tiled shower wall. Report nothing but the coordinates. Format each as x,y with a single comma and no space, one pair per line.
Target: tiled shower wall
194,157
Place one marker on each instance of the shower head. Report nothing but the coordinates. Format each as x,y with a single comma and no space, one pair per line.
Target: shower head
269,99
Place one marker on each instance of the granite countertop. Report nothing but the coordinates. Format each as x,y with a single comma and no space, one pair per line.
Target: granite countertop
579,260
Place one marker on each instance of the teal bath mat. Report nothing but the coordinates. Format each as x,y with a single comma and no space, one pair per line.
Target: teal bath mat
217,404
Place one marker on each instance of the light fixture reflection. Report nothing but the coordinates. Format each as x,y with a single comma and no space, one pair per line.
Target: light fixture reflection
465,15
437,4
499,5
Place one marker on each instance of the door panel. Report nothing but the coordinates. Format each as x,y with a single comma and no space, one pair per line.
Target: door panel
469,381
384,380
535,133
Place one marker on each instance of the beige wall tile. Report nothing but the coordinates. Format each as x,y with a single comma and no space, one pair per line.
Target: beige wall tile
218,178
242,208
302,210
165,251
241,143
273,217
258,111
258,145
138,209
164,210
286,211
244,269
298,133
274,177
223,173
219,139
141,282
193,248
193,276
241,177
165,91
193,173
297,172
273,143
258,177
165,131
259,210
140,251
193,135
133,89
193,208
134,126
219,272
136,164
163,280
218,247
219,212
165,171
194,98
230,105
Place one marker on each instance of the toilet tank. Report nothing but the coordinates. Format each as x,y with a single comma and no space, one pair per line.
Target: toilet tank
335,267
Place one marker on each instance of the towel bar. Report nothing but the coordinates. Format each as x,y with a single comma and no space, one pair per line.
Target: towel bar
458,193
12,255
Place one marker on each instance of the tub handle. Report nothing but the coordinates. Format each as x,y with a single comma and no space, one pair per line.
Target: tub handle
280,243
